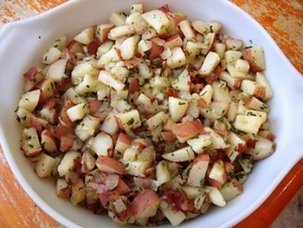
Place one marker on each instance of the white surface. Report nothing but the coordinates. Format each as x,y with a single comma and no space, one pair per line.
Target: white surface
20,48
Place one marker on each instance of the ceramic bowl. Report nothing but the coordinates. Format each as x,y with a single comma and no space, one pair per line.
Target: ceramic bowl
23,43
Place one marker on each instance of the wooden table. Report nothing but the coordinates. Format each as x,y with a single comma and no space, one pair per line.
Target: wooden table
283,19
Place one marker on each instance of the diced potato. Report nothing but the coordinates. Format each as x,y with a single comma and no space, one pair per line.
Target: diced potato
255,57
220,49
175,217
200,143
120,31
217,141
231,189
235,141
177,108
232,82
206,95
192,192
217,174
148,154
23,116
200,27
104,48
45,165
51,55
87,127
182,82
136,20
137,168
198,170
48,141
106,78
237,74
193,49
88,85
186,29
30,142
63,190
103,30
123,142
156,19
232,56
67,163
262,115
233,44
215,110
88,161
174,41
258,105
60,43
180,155
110,165
48,88
156,120
199,200
77,112
137,8
262,80
248,124
215,196
110,56
81,70
128,47
177,58
129,120
208,41
144,46
117,18
130,154
145,204
253,88
263,148
210,63
101,144
162,173
110,125
86,36
242,66
187,129
221,92
29,100
78,193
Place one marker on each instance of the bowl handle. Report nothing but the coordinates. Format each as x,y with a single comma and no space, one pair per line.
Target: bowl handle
278,200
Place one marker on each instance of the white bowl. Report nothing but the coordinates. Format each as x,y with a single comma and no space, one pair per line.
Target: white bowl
23,43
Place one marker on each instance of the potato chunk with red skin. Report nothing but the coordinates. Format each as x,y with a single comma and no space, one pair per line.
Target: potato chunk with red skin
110,165
187,130
145,204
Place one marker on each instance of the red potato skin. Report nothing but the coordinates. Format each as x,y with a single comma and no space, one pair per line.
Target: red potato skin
155,51
229,167
63,114
168,136
143,200
93,47
66,143
177,199
133,86
202,158
38,123
94,105
61,130
64,193
123,138
215,75
75,47
122,187
260,92
33,75
187,130
111,163
251,143
254,67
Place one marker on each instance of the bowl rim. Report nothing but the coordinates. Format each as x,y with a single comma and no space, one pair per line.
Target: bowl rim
60,218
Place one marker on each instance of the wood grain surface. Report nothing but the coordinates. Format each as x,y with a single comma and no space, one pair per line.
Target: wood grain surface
283,19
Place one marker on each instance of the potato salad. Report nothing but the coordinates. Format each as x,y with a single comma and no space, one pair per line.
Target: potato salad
149,117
